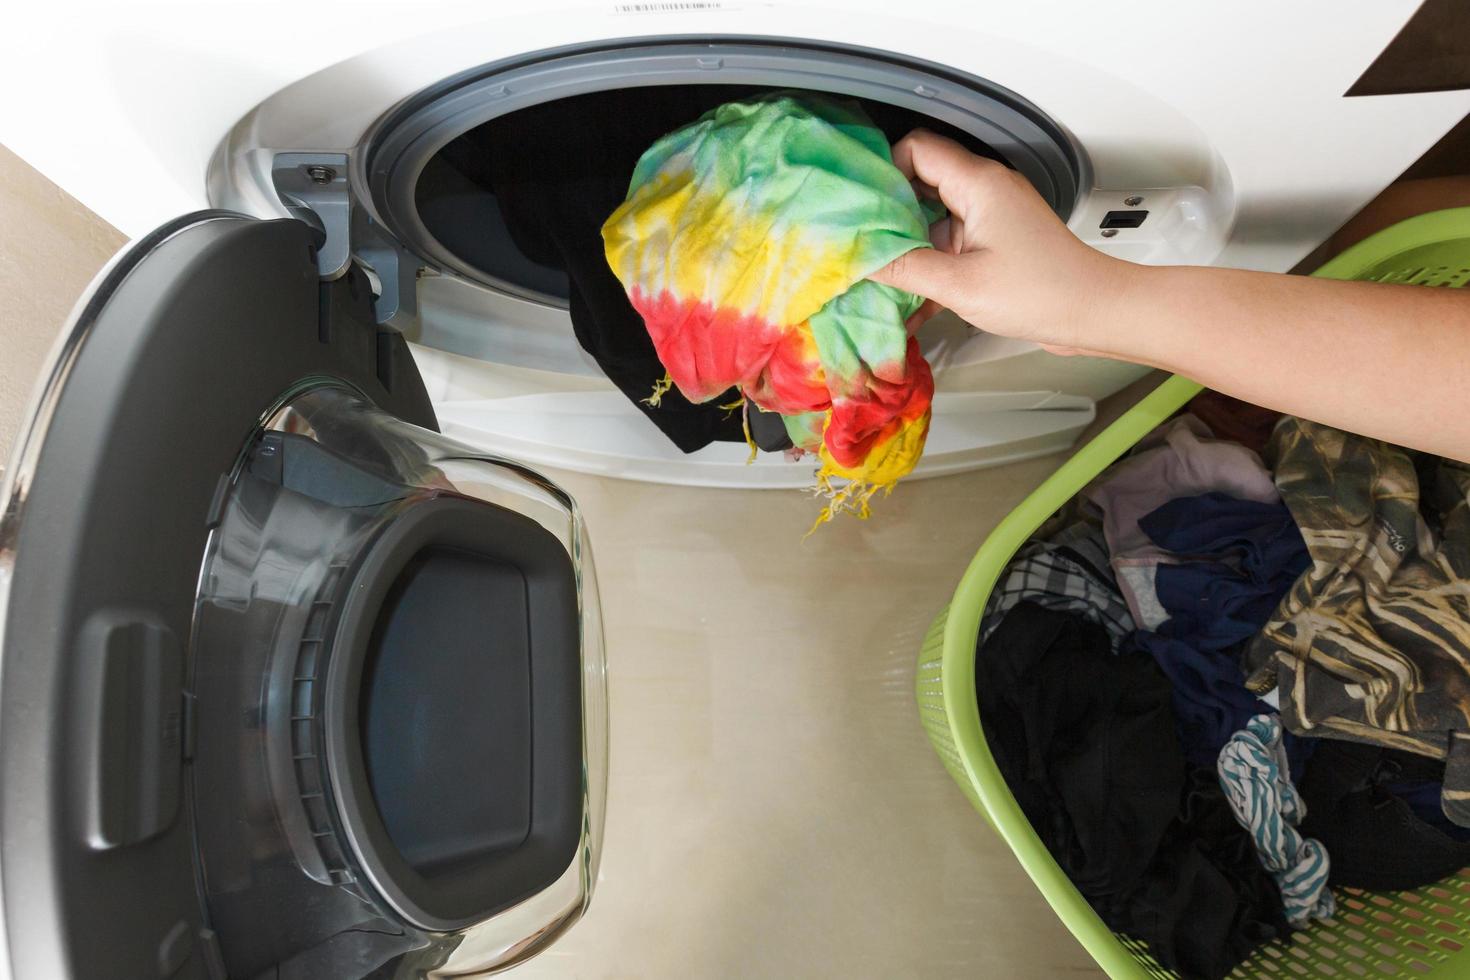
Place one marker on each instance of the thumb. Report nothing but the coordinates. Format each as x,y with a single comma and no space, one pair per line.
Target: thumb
926,272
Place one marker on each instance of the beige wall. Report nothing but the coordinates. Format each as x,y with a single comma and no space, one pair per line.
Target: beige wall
50,248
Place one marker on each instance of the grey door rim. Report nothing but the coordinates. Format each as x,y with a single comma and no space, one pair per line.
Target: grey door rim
387,165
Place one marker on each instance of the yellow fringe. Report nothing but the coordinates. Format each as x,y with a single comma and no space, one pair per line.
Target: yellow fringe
739,405
848,497
749,439
851,497
660,388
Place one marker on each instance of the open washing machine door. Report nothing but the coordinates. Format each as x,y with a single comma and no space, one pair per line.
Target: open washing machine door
291,685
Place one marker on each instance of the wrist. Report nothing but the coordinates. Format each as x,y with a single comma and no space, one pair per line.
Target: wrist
1105,318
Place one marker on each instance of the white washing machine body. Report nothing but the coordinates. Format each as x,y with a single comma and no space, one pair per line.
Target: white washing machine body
1229,129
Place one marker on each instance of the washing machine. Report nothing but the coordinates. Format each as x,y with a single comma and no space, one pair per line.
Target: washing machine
302,670
1160,133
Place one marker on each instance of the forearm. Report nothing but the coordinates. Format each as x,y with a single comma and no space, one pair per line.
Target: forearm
1388,361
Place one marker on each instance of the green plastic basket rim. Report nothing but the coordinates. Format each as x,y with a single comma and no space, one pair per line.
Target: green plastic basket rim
962,627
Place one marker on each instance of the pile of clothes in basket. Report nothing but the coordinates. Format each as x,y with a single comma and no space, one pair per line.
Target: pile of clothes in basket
1234,673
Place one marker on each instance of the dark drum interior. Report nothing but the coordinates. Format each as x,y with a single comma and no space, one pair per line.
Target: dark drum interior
522,196
446,687
459,739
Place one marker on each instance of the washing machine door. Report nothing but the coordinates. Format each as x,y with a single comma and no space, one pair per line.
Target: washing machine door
290,684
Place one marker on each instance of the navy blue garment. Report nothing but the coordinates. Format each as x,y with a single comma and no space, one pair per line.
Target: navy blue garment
1237,558
1211,702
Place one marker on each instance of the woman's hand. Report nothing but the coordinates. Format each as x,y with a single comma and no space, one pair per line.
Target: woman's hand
1388,361
1002,260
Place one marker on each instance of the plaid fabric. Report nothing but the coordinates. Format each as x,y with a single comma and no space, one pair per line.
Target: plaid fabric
1068,573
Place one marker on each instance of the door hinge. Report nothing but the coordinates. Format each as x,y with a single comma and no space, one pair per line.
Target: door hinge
316,188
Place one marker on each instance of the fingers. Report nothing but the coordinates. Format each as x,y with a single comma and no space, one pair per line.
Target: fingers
940,163
923,191
922,316
903,158
948,234
925,272
941,234
955,242
928,157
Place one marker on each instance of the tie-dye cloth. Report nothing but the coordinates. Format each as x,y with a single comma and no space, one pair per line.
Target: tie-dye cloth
744,243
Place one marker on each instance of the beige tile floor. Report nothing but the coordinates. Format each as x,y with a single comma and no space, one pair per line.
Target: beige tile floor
774,807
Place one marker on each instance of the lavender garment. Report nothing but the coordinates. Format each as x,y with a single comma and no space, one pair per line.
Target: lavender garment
1178,459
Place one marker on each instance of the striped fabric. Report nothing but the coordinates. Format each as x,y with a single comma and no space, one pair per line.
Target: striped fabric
1257,782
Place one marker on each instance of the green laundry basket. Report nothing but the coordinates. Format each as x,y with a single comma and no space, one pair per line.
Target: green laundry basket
1421,933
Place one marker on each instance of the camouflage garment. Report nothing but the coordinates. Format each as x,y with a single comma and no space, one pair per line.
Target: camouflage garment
1372,643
